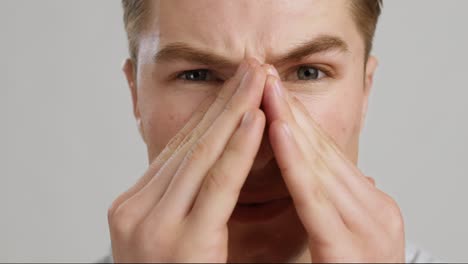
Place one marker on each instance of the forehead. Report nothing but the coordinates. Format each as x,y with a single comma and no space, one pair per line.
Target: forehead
258,28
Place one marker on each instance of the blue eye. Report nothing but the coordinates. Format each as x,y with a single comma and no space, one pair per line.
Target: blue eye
309,73
199,75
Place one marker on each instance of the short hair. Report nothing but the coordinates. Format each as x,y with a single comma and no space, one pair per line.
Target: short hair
365,13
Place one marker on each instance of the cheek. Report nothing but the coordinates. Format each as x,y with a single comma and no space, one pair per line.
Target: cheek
164,116
339,114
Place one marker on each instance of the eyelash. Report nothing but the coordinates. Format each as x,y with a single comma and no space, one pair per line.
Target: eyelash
180,74
327,72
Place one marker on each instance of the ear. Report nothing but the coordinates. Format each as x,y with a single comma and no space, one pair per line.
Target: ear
128,67
371,66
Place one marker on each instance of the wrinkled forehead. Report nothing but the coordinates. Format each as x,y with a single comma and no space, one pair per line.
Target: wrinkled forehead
258,28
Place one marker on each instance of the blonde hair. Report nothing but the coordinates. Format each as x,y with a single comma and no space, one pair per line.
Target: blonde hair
365,13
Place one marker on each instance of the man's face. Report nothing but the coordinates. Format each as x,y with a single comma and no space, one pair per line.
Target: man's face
332,83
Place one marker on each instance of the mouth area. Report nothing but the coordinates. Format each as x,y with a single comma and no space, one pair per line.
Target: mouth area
264,195
261,211
260,203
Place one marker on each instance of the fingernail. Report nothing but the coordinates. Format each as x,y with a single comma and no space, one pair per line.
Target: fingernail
278,88
247,119
272,71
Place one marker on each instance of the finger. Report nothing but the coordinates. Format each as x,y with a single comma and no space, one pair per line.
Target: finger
151,189
221,187
276,108
158,186
371,180
163,156
319,216
223,97
346,173
318,160
274,100
321,138
184,188
357,194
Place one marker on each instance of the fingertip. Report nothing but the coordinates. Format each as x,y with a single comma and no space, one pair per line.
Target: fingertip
252,119
269,85
271,80
259,115
271,102
257,118
271,70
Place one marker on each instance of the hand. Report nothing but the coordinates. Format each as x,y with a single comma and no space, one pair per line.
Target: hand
178,211
347,219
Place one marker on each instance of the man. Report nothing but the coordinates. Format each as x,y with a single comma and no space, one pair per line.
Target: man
251,112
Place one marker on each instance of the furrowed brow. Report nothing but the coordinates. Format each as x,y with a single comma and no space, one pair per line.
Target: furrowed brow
181,51
320,44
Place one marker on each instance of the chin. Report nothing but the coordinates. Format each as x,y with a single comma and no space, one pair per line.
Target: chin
280,238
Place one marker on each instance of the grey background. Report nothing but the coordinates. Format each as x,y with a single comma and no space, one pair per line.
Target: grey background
69,144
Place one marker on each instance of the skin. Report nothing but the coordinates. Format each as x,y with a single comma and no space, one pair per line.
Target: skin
299,139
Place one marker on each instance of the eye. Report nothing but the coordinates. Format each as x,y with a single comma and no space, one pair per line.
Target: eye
309,73
198,75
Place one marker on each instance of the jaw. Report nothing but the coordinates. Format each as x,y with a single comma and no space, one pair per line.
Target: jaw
280,239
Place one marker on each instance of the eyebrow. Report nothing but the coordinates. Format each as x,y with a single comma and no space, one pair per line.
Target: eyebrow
181,51
323,43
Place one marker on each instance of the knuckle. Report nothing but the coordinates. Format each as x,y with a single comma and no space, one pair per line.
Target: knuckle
397,224
199,151
116,204
215,180
113,207
235,150
122,221
175,142
194,135
318,194
229,107
395,218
